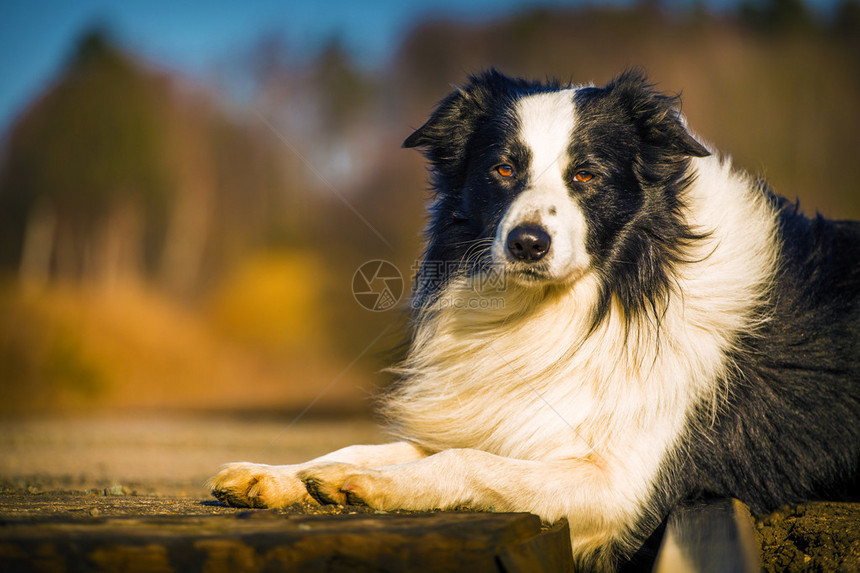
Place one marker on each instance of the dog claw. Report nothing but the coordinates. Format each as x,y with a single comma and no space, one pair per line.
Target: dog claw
315,490
354,499
227,498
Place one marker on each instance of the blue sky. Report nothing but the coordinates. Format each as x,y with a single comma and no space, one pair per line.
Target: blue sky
192,37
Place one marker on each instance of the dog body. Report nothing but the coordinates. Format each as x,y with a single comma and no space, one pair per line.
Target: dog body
663,327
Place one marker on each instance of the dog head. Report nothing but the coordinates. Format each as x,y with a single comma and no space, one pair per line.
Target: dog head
546,183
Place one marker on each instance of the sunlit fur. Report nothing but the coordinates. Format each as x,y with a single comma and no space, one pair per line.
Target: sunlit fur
532,381
612,367
686,334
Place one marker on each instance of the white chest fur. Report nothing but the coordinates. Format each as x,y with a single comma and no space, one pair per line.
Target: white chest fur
525,378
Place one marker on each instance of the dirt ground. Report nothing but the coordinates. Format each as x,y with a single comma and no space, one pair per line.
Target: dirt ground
155,465
819,536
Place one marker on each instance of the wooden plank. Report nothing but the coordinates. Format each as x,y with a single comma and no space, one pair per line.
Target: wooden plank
268,541
710,537
547,552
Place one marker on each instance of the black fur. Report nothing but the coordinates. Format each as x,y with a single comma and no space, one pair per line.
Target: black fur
633,138
791,428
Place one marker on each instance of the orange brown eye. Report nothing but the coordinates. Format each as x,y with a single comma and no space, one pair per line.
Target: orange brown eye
505,170
583,176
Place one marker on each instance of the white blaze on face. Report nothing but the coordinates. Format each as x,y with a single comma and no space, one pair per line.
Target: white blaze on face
546,123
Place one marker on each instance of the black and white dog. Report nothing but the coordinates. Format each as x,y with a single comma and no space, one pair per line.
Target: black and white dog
664,328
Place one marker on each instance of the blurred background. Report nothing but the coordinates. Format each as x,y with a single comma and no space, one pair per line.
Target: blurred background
187,189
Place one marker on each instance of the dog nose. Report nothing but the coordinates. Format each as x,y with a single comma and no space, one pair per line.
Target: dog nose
528,243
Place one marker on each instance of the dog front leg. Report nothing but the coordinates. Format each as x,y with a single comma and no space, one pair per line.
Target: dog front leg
460,477
600,512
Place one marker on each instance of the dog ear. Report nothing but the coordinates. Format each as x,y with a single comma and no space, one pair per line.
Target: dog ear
450,113
453,114
658,116
445,136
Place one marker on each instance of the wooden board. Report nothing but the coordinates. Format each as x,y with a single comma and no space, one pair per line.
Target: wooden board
270,541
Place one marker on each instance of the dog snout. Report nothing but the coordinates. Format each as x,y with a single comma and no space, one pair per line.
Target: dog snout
528,243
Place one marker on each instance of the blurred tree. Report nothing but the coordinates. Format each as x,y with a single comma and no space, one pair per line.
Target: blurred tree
119,170
846,26
85,184
846,20
780,16
345,93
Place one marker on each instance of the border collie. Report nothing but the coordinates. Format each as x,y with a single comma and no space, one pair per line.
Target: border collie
670,328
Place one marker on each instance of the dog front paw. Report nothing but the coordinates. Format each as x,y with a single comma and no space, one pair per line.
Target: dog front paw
339,483
257,485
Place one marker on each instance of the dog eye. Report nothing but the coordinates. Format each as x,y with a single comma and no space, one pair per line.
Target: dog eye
583,176
505,170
